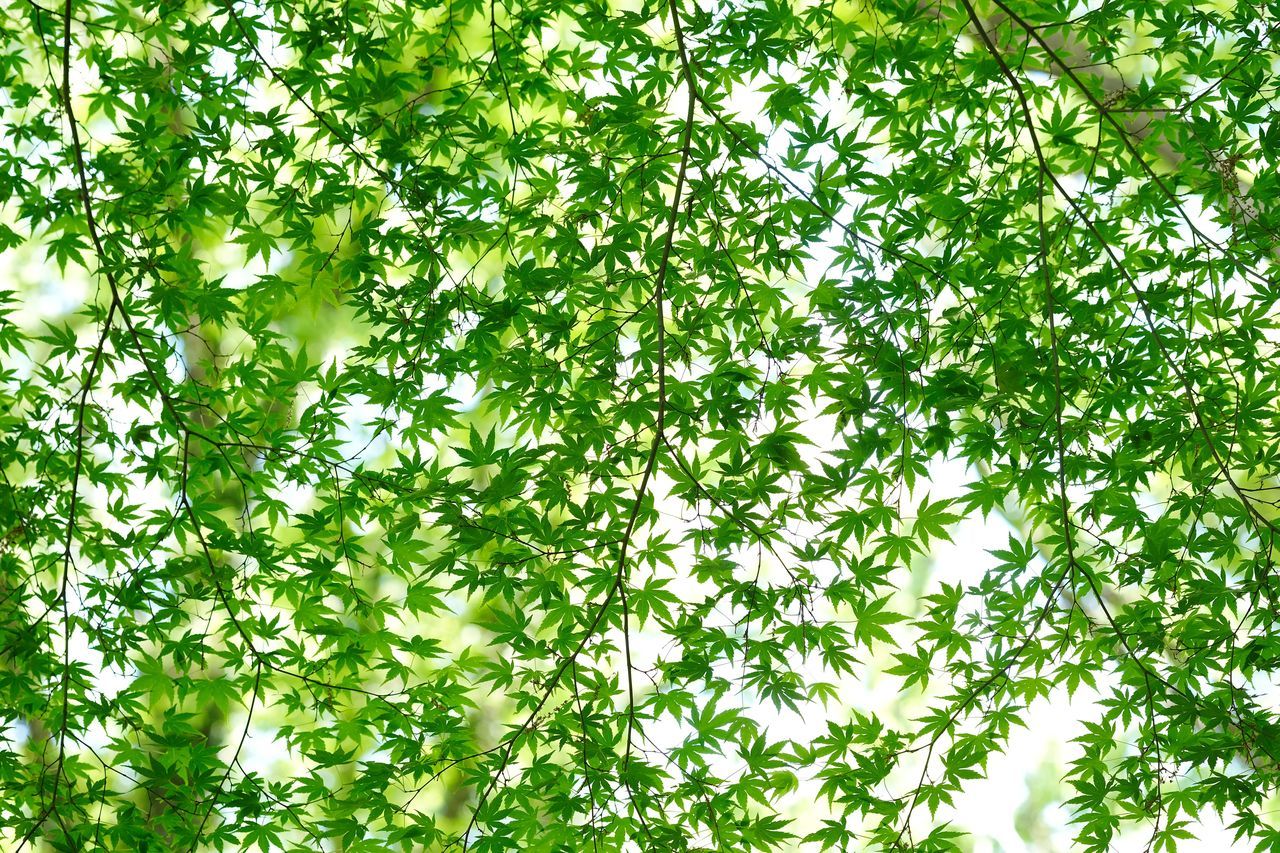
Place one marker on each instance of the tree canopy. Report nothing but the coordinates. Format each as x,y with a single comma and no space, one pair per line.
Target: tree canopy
535,424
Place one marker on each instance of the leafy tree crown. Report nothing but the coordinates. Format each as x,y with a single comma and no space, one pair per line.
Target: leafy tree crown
549,424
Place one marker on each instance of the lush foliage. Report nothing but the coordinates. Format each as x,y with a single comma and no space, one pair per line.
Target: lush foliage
522,425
